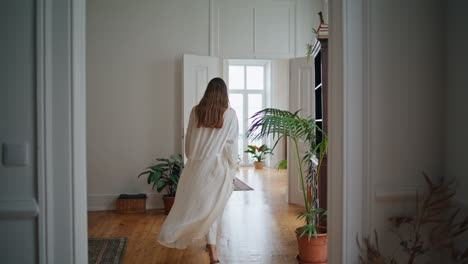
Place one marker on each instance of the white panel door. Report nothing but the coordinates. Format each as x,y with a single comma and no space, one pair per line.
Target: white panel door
301,96
198,71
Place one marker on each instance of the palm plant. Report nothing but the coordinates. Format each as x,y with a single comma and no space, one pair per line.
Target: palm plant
284,124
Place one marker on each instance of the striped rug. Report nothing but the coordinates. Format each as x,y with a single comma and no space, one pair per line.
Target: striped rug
106,250
241,186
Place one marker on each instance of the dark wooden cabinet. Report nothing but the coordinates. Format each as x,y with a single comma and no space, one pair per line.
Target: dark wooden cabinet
320,60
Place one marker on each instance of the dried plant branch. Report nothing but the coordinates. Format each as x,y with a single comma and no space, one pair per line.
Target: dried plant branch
434,227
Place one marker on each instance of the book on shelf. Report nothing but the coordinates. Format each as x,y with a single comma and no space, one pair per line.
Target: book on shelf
322,32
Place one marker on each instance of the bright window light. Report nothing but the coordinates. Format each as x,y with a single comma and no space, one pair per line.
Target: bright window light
255,78
247,80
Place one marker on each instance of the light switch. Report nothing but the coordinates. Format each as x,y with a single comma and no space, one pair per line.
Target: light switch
15,154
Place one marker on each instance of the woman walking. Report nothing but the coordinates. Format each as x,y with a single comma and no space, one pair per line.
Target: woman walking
211,146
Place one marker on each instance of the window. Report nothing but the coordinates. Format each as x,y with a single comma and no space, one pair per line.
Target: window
249,85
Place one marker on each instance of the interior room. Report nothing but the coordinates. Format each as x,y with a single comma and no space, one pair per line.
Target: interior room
148,63
95,106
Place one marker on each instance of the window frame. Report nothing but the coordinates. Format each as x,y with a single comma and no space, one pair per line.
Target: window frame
266,93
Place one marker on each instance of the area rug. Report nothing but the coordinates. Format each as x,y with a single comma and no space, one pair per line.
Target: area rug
241,186
106,250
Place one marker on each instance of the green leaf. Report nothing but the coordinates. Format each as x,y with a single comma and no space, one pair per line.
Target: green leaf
150,178
161,185
177,158
159,167
143,173
277,124
283,164
174,178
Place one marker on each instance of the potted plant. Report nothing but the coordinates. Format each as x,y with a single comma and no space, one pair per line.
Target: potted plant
258,154
165,176
284,124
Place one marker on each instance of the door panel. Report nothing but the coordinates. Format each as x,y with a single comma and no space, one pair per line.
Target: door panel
301,89
198,71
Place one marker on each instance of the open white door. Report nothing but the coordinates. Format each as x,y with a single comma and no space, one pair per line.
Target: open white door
198,71
301,96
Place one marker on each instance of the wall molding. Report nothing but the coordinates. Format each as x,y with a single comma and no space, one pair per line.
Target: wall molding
211,18
397,193
367,118
257,52
44,242
19,209
106,202
213,40
260,53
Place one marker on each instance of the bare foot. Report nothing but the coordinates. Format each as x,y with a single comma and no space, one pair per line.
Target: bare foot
213,252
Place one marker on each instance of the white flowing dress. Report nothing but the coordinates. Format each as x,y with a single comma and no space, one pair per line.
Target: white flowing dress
205,184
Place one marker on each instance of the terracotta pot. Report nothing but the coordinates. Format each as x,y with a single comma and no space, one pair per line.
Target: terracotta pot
168,202
313,251
258,165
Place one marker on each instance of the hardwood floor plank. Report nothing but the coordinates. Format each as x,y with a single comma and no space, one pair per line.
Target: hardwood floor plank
257,227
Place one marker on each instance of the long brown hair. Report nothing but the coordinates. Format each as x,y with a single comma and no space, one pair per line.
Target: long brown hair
215,101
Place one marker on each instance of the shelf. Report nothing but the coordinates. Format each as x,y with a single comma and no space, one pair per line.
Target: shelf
318,103
318,67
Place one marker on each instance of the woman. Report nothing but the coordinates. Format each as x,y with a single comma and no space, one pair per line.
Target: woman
206,183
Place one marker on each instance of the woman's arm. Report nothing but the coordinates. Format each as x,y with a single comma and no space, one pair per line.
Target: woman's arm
189,133
232,142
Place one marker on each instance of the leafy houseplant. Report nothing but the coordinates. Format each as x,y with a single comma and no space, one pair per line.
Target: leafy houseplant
165,176
258,154
284,124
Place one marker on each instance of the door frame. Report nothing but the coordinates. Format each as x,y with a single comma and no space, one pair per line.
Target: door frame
61,126
348,159
350,186
266,93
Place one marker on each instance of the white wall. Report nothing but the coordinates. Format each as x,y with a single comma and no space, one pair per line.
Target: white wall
307,18
134,58
134,55
405,105
456,87
263,28
400,115
418,102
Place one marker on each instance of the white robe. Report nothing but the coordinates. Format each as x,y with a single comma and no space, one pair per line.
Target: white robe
205,184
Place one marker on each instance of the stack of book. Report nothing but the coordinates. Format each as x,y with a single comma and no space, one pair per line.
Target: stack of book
322,32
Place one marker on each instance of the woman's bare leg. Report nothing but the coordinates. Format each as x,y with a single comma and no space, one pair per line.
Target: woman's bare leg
211,238
212,250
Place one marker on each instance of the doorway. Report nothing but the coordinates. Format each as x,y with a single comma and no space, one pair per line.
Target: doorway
249,83
80,153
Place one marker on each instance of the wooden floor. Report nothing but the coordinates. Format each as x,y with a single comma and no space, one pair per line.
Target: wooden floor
257,227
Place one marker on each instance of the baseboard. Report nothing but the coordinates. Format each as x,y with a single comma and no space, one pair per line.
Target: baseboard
105,202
